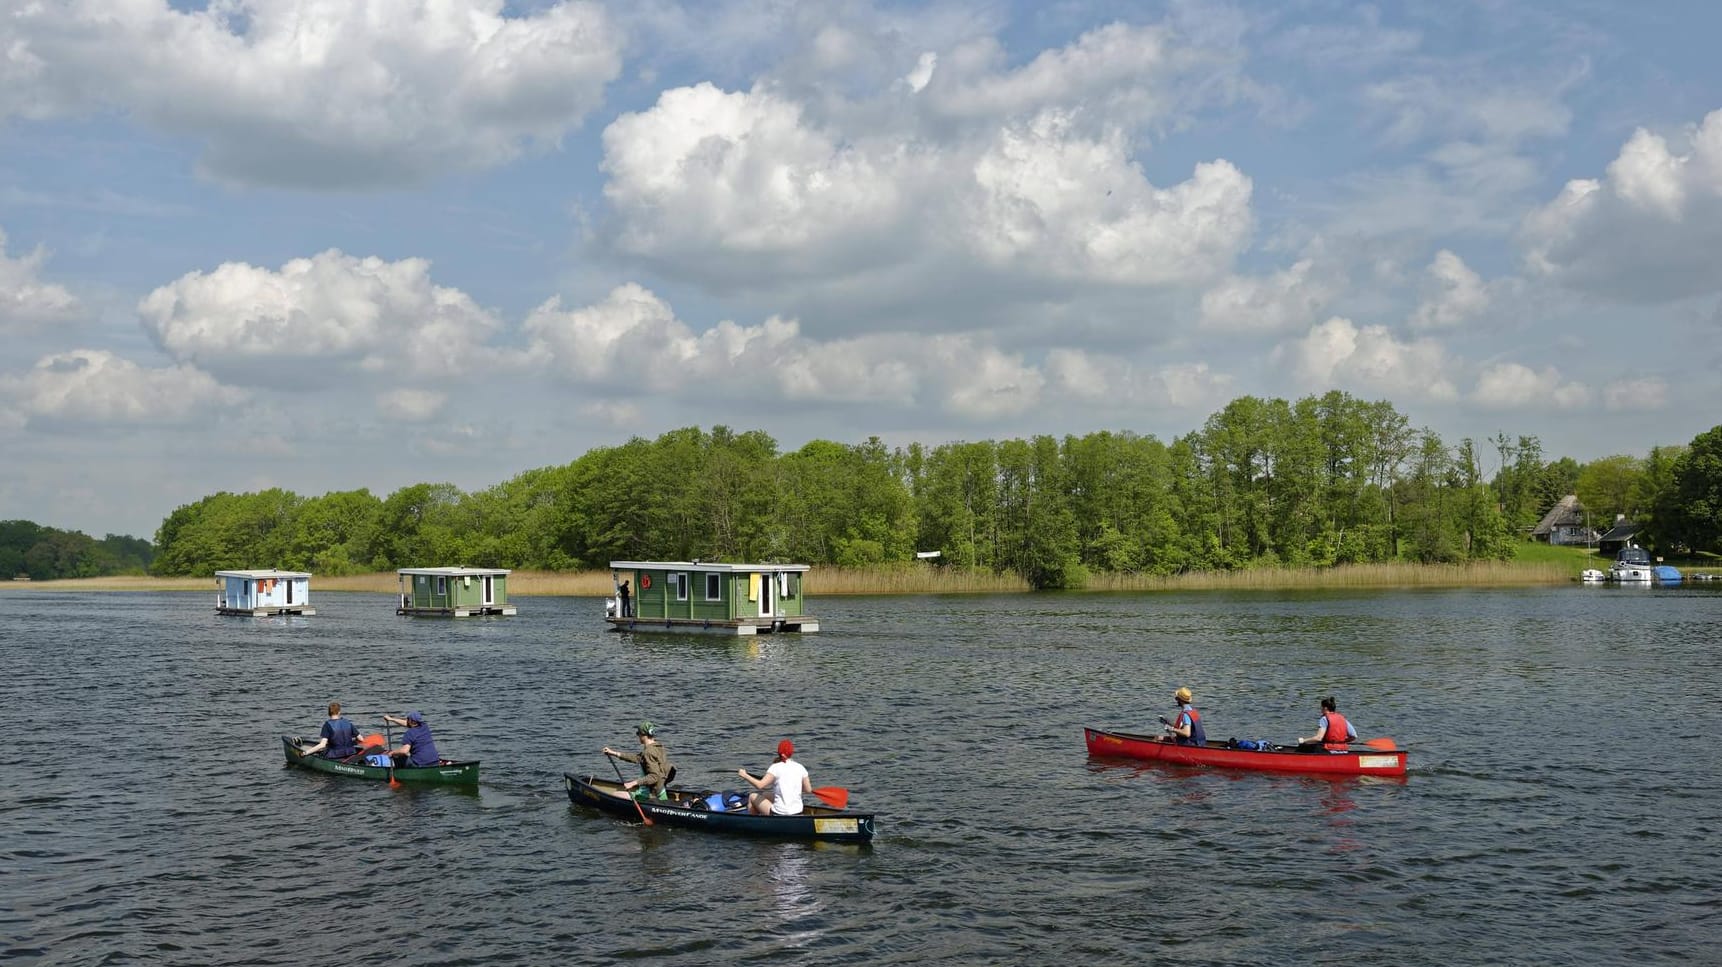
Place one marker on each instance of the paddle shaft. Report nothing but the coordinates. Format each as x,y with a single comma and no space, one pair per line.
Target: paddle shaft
626,792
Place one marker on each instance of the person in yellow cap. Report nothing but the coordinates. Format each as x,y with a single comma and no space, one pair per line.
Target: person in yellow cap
653,759
1187,730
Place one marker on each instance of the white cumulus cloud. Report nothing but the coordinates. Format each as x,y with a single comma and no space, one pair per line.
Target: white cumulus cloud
1515,386
1650,230
1452,293
310,93
25,299
761,189
94,386
318,318
1287,299
1340,354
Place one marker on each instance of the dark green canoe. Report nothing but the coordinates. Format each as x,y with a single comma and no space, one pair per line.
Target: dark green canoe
445,773
686,808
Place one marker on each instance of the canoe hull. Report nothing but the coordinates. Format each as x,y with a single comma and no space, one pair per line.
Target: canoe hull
1358,762
446,774
816,823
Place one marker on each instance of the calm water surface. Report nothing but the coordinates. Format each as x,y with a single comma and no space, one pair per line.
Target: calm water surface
1563,806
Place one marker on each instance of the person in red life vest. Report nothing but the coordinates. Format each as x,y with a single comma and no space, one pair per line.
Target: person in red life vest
1187,730
1332,731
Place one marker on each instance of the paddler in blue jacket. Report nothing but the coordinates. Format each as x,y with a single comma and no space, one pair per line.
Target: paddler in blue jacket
417,747
339,738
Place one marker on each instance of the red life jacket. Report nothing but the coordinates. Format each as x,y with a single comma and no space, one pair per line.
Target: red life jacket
1198,737
1336,726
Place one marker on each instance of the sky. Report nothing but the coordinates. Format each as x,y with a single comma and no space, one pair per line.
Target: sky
332,244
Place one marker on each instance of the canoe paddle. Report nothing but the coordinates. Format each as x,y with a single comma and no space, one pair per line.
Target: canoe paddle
836,797
1384,744
637,807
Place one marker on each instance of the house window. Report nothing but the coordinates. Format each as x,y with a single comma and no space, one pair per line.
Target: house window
681,580
441,586
714,587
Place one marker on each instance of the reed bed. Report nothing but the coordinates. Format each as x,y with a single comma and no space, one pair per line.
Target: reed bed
934,580
1486,574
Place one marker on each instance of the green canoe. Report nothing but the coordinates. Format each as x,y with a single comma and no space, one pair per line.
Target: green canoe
444,773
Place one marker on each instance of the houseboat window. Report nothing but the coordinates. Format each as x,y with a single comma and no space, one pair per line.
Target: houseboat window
681,580
714,587
441,585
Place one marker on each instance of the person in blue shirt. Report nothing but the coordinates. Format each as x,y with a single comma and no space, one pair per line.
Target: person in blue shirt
340,739
1187,730
417,747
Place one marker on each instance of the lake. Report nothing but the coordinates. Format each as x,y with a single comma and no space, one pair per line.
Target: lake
1562,807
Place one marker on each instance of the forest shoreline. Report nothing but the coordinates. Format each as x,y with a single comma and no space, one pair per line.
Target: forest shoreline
823,581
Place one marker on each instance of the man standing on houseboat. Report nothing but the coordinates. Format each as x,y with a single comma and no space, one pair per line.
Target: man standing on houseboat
627,599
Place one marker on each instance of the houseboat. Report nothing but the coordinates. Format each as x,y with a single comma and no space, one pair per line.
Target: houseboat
696,596
260,594
454,592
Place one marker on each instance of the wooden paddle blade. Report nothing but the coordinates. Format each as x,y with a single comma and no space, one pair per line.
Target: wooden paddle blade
836,797
1384,744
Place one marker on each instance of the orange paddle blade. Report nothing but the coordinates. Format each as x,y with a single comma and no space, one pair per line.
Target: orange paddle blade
836,797
372,741
1385,745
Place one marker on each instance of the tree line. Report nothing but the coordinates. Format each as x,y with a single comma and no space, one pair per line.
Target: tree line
45,553
1265,482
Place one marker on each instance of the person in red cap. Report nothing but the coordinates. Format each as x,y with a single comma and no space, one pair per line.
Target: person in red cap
782,786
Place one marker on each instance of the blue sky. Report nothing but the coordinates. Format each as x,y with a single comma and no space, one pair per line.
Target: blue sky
367,243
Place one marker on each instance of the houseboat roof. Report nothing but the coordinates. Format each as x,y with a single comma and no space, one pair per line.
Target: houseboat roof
262,574
453,572
703,566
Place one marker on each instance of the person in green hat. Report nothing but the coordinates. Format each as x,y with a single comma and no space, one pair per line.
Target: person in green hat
653,759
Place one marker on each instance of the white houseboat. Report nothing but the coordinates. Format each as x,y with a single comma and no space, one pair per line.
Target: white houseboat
259,594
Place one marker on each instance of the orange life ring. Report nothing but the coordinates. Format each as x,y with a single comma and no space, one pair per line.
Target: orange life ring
645,582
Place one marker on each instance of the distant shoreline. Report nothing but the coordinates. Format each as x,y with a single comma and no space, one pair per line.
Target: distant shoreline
928,580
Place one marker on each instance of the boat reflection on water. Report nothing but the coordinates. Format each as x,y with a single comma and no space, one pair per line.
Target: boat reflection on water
798,906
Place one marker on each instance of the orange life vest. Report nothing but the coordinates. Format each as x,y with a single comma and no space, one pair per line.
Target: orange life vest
1336,726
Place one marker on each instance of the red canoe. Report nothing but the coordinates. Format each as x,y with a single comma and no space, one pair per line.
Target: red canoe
1354,762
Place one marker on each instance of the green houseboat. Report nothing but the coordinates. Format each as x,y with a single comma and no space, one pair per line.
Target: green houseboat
454,592
696,596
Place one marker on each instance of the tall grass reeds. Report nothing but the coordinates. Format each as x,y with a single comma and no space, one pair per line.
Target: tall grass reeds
947,580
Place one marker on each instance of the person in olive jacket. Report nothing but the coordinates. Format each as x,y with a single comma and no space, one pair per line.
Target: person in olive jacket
653,759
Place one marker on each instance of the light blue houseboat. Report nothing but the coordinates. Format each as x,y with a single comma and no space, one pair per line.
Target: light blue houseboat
698,596
259,594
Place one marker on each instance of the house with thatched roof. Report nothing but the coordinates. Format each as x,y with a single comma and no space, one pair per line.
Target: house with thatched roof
1564,524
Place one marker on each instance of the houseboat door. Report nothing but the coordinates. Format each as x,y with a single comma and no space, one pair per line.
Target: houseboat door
489,589
289,583
767,595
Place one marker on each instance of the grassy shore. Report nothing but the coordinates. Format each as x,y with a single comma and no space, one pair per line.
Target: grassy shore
1543,570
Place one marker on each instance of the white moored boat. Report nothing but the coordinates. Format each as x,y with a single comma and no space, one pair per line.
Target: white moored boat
1632,566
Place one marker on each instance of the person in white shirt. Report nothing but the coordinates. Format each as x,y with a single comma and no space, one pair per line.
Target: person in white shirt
782,786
